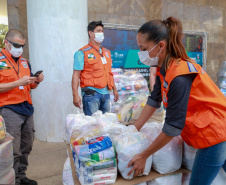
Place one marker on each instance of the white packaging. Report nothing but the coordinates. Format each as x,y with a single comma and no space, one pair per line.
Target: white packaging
143,183
67,173
169,158
175,179
186,178
6,155
8,178
189,153
128,145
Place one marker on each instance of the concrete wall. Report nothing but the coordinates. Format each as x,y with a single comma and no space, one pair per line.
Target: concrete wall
17,16
3,12
196,15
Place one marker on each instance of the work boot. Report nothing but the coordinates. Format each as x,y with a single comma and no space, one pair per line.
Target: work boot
26,181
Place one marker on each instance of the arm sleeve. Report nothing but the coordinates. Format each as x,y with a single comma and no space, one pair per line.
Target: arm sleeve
155,99
178,96
79,61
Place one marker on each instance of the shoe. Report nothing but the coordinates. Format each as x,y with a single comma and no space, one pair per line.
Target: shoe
26,181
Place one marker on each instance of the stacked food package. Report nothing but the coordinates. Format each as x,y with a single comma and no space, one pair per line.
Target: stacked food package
221,78
129,83
93,152
7,174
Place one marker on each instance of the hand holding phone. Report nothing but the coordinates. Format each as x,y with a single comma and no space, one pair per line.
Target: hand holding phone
38,73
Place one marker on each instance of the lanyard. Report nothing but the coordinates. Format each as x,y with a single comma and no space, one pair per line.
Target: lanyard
13,65
98,51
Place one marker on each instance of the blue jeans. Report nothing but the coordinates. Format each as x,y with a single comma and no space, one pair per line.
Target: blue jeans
95,102
207,164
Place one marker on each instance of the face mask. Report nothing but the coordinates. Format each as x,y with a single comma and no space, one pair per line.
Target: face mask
145,59
16,52
99,37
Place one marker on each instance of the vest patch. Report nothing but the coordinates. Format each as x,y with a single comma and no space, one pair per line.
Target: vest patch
165,84
3,64
106,53
91,56
24,64
2,57
164,96
23,59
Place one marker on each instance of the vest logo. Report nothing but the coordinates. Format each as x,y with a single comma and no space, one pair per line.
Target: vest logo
3,64
106,53
24,64
164,97
91,56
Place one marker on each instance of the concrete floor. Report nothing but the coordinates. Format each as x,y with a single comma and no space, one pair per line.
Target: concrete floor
46,162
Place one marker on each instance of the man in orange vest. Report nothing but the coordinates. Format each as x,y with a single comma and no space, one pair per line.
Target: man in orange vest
16,81
92,66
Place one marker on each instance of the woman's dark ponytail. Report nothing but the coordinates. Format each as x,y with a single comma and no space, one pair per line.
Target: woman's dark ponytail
169,30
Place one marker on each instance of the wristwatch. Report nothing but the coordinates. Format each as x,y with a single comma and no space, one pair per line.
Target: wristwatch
37,82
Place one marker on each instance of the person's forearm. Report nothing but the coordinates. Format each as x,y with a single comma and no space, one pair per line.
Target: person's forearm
75,85
158,143
144,116
5,87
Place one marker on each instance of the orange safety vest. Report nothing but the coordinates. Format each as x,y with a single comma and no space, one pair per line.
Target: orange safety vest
205,123
96,72
9,73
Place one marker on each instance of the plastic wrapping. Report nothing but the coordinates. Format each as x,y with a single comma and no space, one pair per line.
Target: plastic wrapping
129,83
127,147
175,179
189,153
131,108
169,158
67,173
221,78
2,129
6,155
8,178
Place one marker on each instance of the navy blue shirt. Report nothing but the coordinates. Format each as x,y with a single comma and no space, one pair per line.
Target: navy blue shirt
178,96
24,108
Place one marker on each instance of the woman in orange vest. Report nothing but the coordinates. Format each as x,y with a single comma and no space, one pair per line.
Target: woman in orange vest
195,107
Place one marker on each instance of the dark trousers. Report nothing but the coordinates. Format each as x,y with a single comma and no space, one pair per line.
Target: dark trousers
21,127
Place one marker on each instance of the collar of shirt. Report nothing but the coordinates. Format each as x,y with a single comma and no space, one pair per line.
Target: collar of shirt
163,70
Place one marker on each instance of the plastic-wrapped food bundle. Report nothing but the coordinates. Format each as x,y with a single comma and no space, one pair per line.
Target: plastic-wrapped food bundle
158,116
128,145
143,183
8,178
131,108
169,158
221,78
67,173
2,129
6,155
186,178
128,83
75,120
175,179
189,153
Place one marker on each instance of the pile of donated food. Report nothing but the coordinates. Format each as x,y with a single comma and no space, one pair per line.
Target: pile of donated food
103,144
7,174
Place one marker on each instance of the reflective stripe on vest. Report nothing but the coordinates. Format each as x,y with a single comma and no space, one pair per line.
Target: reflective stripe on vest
205,123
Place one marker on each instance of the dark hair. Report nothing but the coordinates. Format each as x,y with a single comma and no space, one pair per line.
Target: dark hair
14,33
92,25
169,30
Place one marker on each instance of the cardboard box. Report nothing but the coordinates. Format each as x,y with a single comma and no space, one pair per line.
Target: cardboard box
120,181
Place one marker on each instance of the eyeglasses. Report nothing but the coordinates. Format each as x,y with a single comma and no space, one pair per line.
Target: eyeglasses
16,45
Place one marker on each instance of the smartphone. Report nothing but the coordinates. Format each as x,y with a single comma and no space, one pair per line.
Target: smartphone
38,73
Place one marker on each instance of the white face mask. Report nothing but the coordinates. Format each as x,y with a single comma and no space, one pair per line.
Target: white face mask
16,52
145,59
99,37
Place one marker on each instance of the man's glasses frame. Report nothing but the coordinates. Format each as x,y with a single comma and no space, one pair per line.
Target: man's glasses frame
16,45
